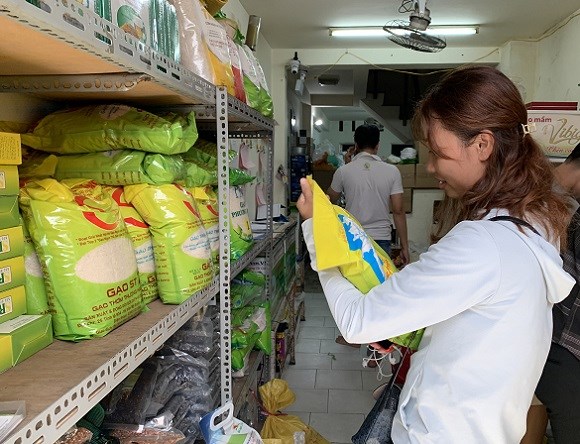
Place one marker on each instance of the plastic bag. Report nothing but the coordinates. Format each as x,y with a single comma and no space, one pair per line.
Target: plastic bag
241,237
250,76
180,246
97,128
36,302
229,431
207,204
341,242
84,248
275,396
121,167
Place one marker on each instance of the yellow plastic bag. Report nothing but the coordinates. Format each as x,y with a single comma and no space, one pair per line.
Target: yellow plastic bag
275,396
341,242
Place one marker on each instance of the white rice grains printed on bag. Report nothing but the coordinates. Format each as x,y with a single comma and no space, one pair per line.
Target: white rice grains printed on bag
86,255
142,244
36,302
207,204
182,254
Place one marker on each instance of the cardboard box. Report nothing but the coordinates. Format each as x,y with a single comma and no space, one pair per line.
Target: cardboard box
22,337
422,152
10,149
407,174
9,185
12,273
423,179
9,215
408,200
12,303
11,242
561,106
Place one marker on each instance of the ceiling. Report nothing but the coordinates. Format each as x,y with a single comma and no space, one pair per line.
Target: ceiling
300,25
303,24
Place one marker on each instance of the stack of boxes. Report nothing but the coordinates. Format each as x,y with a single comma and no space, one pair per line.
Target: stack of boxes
21,335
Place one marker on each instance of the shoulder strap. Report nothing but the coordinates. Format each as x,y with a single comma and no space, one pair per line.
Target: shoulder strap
517,221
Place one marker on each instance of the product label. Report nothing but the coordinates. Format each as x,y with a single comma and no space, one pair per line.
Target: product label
5,275
2,180
4,244
9,327
556,132
6,305
10,151
215,37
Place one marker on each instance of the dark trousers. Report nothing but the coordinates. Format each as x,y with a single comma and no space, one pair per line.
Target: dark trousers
385,245
559,391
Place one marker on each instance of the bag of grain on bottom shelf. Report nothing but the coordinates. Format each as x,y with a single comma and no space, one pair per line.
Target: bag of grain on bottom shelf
36,301
142,243
208,207
96,128
86,255
182,254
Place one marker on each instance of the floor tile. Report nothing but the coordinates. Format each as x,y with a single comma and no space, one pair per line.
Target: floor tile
336,427
346,361
329,322
329,346
318,311
350,401
313,321
309,401
308,346
315,302
317,333
312,361
370,380
299,378
338,379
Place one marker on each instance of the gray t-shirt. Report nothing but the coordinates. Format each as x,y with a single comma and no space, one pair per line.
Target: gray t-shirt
368,183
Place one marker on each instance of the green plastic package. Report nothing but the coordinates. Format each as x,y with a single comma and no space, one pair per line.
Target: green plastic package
121,167
207,205
251,79
87,258
142,244
246,288
241,237
36,302
199,175
37,164
266,105
241,336
97,128
182,254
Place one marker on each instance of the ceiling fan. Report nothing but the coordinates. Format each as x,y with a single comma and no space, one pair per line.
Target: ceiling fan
412,34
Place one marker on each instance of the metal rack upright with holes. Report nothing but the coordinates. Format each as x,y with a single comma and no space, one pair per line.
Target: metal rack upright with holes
56,52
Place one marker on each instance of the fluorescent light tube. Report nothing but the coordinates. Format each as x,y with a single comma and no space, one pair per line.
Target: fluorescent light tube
376,31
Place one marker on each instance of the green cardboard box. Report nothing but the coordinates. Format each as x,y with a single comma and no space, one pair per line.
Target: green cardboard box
12,273
9,185
12,303
22,337
11,242
9,215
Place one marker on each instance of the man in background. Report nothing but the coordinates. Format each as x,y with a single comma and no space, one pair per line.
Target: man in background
372,189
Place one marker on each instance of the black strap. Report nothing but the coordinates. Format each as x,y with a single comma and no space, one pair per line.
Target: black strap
517,221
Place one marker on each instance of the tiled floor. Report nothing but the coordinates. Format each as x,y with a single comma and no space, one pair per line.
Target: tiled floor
333,390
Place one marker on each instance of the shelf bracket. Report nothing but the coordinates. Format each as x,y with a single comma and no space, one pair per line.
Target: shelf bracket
49,83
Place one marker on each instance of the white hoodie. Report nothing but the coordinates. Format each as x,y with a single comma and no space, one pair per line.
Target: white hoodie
485,293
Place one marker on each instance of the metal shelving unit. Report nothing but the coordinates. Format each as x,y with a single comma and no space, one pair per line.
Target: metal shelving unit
58,53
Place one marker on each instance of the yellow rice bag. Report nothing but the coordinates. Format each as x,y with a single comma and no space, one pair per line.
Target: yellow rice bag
341,242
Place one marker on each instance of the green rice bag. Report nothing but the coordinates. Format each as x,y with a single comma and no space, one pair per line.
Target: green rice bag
142,244
84,250
263,319
199,175
36,164
97,128
251,79
36,302
241,336
121,167
241,237
180,246
207,205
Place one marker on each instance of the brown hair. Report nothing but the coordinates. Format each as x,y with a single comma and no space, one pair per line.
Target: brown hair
518,176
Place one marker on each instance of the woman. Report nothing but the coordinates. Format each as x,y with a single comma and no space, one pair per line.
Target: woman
484,292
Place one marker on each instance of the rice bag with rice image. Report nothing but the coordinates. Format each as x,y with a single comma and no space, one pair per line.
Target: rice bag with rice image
241,236
142,243
96,128
86,255
36,301
207,205
342,242
181,249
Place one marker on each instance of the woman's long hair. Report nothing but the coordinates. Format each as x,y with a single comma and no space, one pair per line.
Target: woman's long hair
518,176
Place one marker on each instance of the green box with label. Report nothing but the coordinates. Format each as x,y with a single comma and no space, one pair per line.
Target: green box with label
22,337
12,303
9,184
9,215
12,273
11,242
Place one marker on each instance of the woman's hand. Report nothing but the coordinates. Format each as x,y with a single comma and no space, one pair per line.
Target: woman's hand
305,201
